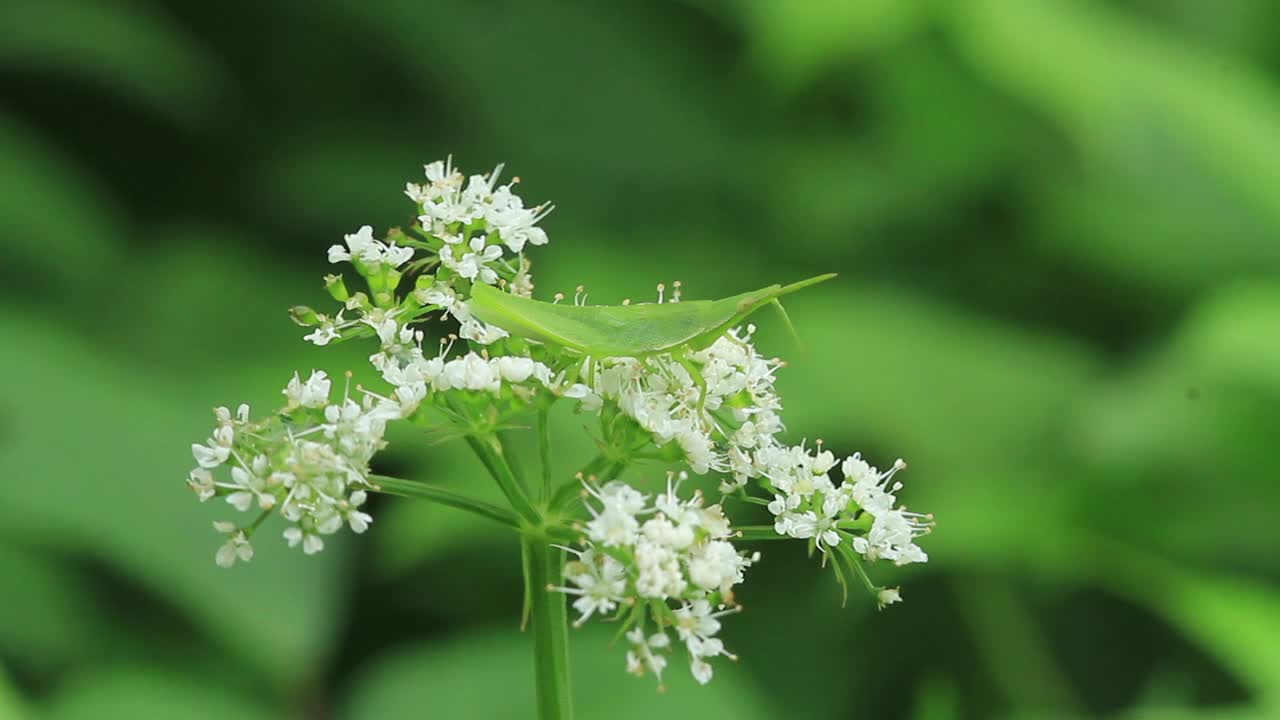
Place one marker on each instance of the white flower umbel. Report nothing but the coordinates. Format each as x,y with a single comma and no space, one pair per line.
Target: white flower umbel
309,463
663,560
719,407
716,405
666,566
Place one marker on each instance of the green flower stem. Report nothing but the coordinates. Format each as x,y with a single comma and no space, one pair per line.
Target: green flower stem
550,628
543,566
490,452
423,491
503,440
544,452
760,532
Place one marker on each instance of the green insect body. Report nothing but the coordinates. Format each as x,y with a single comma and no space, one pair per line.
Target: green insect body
605,331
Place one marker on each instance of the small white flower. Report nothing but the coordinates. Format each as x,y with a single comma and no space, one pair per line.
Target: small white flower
201,483
482,333
210,456
363,247
236,547
326,331
358,521
601,584
515,369
888,596
641,658
314,393
474,263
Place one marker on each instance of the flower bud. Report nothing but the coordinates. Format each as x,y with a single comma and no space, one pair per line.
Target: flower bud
337,287
304,316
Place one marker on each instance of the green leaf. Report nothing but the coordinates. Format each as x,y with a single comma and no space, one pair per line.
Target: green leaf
1204,405
50,617
98,466
1238,621
1235,619
794,41
624,330
138,693
941,383
58,221
490,675
11,704
1178,145
127,47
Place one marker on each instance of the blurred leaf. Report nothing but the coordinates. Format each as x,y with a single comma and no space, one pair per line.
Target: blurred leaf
675,92
1202,408
854,190
796,40
125,46
1179,146
47,616
57,221
946,383
1237,620
331,181
1233,336
109,459
458,680
136,693
937,700
1233,25
224,312
11,705
412,532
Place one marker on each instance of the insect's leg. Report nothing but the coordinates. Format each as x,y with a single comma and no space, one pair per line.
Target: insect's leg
681,356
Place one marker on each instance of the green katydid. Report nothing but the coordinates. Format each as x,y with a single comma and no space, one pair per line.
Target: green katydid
605,331
637,331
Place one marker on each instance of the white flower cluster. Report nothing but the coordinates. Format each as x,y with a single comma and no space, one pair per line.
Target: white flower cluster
451,202
715,423
667,558
808,505
403,364
363,248
464,227
309,462
720,407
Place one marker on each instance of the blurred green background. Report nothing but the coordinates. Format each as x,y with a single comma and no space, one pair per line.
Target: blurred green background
1057,225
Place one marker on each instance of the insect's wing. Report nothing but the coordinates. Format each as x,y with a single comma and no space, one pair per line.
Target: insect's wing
599,330
622,330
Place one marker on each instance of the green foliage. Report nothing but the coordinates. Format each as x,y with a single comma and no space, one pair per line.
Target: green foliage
1055,225
459,675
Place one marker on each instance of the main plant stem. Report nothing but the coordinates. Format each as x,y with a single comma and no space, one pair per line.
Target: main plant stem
543,565
548,615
